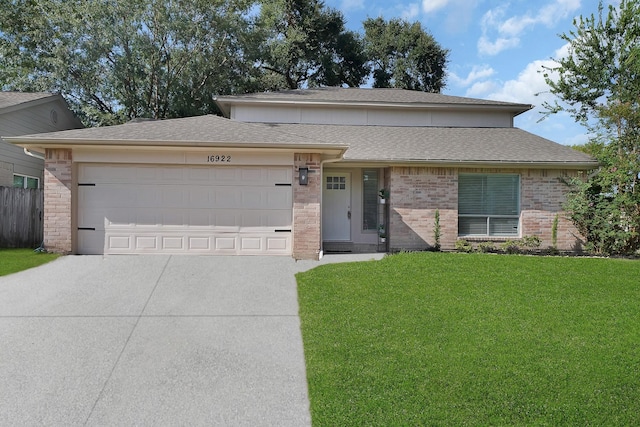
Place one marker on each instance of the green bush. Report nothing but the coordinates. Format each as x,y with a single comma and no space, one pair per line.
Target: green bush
486,247
463,246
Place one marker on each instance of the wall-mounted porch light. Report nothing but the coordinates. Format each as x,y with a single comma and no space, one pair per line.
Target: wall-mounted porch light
303,174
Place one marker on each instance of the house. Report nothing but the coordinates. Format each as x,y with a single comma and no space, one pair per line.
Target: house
301,172
24,113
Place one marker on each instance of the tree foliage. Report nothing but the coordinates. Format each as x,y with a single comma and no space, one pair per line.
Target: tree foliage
404,55
305,42
599,82
114,61
117,60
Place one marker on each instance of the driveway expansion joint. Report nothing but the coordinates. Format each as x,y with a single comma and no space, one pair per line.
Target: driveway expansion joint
126,343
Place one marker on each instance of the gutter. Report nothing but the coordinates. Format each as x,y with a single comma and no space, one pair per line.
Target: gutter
477,163
29,153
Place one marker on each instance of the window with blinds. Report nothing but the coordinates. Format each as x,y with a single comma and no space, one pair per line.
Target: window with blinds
488,205
370,188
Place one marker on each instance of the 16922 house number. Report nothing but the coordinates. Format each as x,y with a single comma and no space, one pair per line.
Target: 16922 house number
219,158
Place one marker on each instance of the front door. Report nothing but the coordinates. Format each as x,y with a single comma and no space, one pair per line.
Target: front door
336,206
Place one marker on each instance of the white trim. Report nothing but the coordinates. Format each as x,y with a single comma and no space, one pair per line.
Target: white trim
27,177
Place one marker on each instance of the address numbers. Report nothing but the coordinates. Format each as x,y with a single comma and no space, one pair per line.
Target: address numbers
219,159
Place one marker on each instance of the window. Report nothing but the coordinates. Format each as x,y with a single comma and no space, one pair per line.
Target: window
336,183
488,205
23,181
370,200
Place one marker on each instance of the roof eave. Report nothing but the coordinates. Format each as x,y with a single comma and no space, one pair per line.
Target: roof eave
480,163
40,144
31,103
225,104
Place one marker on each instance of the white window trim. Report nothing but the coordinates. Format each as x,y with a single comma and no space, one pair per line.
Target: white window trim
518,217
26,177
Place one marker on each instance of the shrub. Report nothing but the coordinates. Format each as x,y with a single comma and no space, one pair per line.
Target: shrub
531,242
510,247
463,246
486,247
436,231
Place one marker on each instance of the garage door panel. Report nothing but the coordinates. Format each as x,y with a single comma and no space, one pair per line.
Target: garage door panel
180,209
220,243
282,176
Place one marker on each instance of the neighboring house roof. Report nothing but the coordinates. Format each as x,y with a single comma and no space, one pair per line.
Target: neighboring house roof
362,96
203,131
450,145
18,100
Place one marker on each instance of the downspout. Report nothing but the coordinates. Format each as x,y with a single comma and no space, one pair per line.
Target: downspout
29,153
322,163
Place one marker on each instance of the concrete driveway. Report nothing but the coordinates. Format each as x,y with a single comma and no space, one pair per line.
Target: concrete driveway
154,340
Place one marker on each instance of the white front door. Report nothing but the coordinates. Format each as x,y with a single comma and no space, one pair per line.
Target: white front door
336,206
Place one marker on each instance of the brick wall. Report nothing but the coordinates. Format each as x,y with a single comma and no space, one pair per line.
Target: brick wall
57,200
542,194
306,208
415,194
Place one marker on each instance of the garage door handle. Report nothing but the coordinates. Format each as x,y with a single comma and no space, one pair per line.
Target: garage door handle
349,214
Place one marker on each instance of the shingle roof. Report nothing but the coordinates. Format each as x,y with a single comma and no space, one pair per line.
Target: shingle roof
441,145
11,99
189,131
382,144
364,95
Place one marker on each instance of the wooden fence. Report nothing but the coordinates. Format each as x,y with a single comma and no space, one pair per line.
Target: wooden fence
21,213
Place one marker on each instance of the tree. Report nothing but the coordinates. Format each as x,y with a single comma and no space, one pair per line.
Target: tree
404,55
114,61
599,84
306,43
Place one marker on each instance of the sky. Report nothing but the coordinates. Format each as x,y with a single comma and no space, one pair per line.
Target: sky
497,48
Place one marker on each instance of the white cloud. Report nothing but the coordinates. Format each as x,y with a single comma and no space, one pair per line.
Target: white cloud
529,88
410,12
480,89
507,32
478,72
487,47
429,6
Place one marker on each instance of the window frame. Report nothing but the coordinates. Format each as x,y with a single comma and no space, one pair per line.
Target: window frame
488,216
25,180
374,227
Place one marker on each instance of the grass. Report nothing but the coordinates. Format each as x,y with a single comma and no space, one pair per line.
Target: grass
14,260
473,339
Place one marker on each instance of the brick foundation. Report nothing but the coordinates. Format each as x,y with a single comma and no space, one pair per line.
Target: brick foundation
57,200
306,208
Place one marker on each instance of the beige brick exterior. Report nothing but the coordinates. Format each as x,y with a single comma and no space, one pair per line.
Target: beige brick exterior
543,193
417,192
415,195
306,208
57,200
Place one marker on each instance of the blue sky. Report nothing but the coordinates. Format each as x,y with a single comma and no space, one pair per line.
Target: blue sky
497,48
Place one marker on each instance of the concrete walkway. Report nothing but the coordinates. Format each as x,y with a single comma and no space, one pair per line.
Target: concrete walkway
154,340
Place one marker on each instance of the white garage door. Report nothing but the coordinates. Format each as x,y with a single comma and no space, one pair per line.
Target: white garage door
125,209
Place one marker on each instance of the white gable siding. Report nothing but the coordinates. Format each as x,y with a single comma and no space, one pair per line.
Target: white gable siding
370,116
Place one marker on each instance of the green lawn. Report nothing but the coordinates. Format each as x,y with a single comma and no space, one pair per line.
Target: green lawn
14,260
473,339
